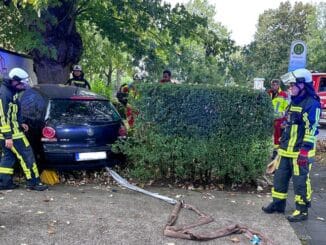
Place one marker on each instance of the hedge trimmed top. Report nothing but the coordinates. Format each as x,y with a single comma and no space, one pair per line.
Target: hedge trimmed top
189,110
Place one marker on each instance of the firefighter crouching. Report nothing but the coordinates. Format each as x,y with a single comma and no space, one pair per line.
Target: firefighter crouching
14,143
297,148
280,103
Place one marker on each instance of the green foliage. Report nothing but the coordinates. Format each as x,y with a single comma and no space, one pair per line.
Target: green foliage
199,58
100,87
102,58
47,30
200,133
316,41
268,55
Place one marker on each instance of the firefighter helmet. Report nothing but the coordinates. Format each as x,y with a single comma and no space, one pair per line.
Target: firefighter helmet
302,75
77,68
19,75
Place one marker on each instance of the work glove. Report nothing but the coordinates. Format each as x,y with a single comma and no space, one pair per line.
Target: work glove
303,158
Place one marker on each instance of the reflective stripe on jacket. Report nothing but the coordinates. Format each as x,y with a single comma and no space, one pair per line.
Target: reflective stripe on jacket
10,116
301,128
280,103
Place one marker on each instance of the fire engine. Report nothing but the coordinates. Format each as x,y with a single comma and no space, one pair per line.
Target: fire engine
319,82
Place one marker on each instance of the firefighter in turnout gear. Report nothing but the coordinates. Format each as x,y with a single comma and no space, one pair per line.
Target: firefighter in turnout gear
297,147
280,103
13,141
78,79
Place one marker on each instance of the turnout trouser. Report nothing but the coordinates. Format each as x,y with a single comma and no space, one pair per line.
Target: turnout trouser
21,151
288,168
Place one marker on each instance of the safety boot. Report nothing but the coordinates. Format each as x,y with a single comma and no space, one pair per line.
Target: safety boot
298,216
35,185
278,207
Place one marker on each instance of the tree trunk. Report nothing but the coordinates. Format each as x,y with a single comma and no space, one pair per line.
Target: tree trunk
119,77
51,73
109,75
62,42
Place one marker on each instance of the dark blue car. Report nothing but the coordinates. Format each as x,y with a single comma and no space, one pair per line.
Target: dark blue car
70,127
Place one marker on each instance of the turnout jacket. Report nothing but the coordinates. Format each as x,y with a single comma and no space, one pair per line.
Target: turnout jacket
10,113
79,81
301,127
280,103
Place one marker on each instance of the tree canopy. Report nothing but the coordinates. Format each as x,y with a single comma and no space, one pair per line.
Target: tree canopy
47,30
115,39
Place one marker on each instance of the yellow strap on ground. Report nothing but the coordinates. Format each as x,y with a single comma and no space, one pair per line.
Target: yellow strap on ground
49,177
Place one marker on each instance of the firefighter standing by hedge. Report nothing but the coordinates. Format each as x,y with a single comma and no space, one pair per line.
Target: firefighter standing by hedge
13,141
280,103
297,148
129,113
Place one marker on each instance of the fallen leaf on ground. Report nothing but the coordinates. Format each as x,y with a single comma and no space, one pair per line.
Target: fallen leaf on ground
51,230
320,218
40,212
150,182
235,240
190,187
2,227
259,188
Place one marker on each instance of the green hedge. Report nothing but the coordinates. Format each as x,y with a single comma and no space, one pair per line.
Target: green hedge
200,133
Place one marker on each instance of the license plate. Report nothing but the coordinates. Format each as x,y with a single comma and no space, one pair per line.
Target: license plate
85,156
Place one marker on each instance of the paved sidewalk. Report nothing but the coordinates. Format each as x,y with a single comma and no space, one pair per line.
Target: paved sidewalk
92,214
313,231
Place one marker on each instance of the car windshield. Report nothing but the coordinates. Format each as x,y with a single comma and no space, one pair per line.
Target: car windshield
85,110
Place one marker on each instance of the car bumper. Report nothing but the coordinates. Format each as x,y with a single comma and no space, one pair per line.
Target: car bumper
66,159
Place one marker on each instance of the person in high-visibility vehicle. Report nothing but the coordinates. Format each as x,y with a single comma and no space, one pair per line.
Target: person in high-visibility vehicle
14,143
280,103
297,147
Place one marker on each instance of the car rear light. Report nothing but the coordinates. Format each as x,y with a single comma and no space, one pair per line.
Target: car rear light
48,134
122,132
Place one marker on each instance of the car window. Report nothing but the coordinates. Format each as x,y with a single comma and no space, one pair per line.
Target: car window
322,85
86,110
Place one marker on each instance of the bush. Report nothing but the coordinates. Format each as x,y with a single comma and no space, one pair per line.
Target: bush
101,88
200,133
